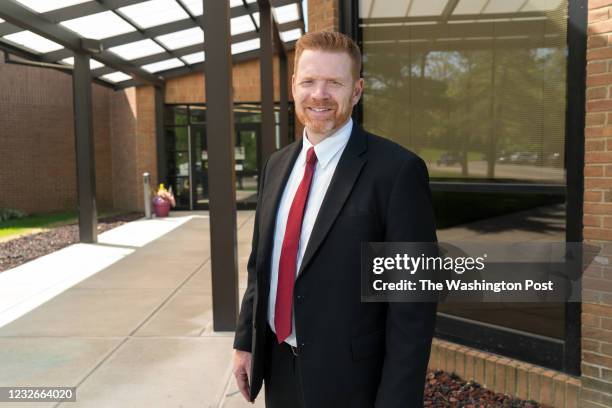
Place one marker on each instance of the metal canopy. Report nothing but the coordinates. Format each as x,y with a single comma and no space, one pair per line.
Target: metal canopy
143,41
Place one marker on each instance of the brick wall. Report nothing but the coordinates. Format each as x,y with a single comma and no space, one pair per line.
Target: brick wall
123,142
37,138
245,81
323,15
597,282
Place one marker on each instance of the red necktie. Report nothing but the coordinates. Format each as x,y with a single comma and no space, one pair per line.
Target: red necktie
287,264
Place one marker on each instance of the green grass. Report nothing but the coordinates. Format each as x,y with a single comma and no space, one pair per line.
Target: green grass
35,222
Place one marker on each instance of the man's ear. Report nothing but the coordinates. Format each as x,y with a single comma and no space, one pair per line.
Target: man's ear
293,85
357,91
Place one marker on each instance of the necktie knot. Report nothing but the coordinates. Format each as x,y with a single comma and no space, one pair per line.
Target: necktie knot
311,157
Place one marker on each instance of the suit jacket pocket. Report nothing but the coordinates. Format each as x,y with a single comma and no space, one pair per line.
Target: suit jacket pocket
368,345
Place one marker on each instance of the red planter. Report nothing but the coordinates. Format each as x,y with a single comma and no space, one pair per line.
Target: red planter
161,207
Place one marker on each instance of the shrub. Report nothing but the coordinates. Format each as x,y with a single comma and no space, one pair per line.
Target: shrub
10,213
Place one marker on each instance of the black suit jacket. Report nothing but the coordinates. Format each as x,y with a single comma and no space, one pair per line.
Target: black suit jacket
353,354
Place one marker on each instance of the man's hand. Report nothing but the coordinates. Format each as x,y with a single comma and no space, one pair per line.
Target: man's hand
242,368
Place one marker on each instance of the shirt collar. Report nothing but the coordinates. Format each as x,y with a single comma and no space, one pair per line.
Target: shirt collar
330,146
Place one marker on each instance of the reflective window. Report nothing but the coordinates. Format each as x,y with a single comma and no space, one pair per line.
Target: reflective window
477,88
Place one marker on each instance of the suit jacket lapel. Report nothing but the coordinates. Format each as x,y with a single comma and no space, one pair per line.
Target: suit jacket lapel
342,182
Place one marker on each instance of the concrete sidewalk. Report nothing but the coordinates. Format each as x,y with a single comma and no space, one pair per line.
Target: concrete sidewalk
129,324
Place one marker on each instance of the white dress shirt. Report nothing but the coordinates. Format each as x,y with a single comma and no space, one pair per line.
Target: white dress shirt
328,153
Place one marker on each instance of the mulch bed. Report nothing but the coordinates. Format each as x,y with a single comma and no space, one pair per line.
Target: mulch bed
23,249
444,390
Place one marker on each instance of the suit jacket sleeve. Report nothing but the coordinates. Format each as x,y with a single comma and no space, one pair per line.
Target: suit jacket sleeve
409,325
244,328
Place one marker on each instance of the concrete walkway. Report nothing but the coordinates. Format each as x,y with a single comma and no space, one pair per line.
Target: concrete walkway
129,321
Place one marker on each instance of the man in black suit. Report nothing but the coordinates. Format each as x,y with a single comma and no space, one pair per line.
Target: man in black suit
303,330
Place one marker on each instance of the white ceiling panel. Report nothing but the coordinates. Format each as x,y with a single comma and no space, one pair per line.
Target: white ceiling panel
42,6
182,38
286,13
245,46
291,35
242,24
116,77
236,3
99,26
154,12
194,6
163,65
33,42
194,58
93,64
137,49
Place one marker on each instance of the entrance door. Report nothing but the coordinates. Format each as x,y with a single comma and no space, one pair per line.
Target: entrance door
247,156
199,169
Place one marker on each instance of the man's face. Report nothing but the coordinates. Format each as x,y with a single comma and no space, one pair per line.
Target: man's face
324,91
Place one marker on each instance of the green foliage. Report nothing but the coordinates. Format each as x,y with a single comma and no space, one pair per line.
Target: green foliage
10,214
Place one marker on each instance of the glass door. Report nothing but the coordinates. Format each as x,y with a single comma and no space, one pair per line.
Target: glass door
177,145
200,166
247,158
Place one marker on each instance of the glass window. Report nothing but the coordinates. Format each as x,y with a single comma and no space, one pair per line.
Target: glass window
481,101
176,116
197,114
99,26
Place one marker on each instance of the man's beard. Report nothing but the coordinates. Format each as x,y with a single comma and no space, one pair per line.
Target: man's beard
321,126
